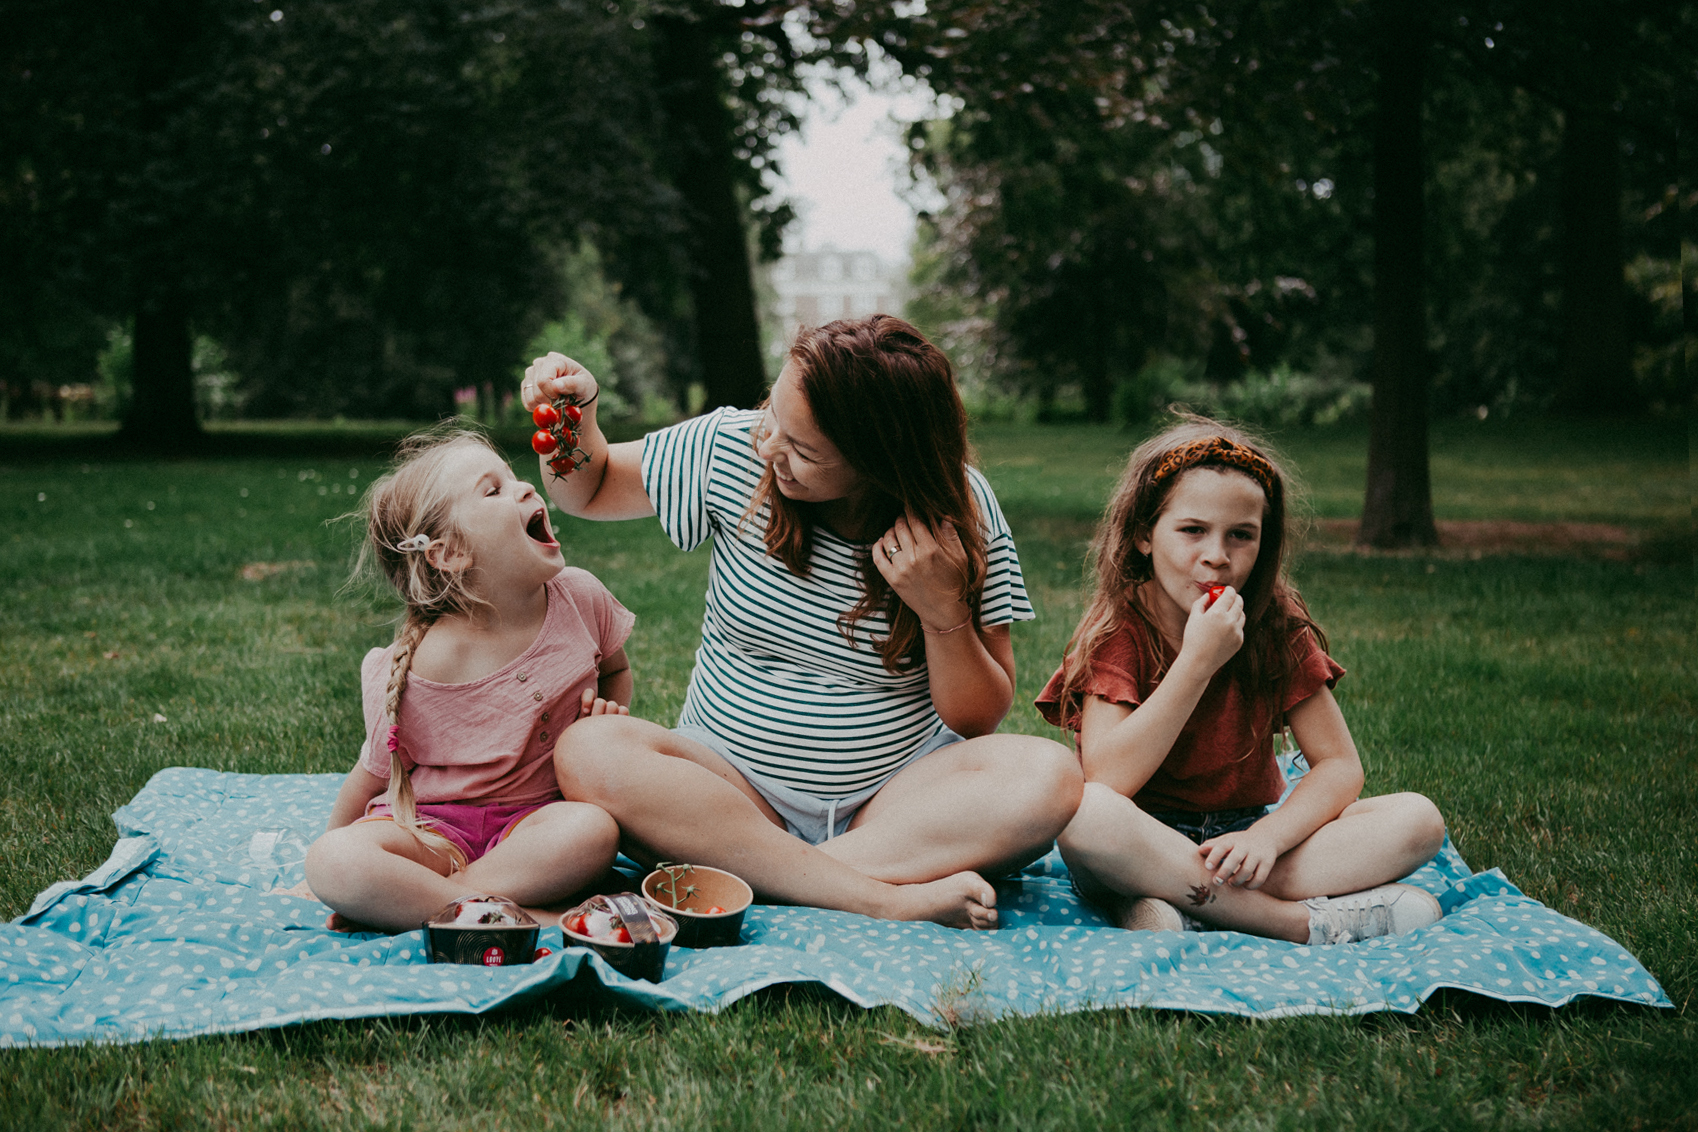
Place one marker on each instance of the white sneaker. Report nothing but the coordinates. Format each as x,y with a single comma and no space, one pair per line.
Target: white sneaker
1390,909
1147,914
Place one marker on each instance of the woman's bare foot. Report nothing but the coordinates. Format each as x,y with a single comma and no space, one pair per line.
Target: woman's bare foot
965,900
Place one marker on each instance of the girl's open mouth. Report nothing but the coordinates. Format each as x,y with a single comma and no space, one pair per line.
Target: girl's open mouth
537,528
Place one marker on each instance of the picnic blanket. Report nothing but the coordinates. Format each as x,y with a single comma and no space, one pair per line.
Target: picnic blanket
186,930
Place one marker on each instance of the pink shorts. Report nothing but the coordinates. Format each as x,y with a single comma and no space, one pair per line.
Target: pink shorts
475,829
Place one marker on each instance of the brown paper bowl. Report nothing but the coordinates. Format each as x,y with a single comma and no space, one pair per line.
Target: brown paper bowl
697,928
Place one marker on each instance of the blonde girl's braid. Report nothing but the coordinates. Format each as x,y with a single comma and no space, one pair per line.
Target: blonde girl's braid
402,807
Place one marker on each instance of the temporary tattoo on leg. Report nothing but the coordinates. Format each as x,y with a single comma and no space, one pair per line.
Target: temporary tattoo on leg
1201,894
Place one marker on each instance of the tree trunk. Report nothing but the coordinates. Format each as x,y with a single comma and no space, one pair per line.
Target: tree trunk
728,339
1595,373
1398,508
161,416
1099,388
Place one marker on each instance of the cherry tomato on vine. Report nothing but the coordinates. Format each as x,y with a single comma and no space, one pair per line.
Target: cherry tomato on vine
622,934
544,442
545,416
574,414
560,466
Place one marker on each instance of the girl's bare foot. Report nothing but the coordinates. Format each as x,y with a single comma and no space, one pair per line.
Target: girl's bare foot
965,900
337,922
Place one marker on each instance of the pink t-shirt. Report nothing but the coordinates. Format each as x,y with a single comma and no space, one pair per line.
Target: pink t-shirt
491,741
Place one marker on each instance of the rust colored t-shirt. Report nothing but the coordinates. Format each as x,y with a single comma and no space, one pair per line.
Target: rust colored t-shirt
1212,765
491,741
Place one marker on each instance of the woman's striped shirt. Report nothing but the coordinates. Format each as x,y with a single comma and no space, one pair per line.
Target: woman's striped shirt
775,678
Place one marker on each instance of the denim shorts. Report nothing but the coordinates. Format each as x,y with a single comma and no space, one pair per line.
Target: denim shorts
1201,827
811,818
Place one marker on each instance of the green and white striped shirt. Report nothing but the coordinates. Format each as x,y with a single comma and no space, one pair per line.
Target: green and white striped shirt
775,677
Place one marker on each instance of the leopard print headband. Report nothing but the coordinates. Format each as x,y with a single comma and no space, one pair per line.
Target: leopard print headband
1217,451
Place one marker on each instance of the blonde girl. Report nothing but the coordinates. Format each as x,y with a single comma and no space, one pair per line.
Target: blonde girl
502,647
1194,653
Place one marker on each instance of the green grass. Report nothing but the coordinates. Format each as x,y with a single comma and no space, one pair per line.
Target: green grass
1546,703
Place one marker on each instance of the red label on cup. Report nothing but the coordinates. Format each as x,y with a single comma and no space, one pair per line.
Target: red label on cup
493,957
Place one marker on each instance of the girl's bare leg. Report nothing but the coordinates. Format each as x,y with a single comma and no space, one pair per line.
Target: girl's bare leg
991,804
1111,844
1374,841
677,800
555,852
375,874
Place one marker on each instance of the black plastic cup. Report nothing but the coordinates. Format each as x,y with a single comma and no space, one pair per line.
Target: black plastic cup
482,945
652,933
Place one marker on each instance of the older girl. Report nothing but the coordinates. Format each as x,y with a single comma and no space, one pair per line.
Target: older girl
1194,653
836,746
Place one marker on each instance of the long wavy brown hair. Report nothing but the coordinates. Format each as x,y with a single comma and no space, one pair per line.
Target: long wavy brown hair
886,397
1274,611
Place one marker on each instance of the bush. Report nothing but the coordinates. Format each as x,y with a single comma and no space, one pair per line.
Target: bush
1278,397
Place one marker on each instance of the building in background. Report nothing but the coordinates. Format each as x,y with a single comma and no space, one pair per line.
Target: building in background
811,288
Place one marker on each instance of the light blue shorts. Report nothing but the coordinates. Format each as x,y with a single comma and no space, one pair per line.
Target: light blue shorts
811,818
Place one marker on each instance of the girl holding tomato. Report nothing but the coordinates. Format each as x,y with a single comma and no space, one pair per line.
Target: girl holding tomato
502,647
836,747
1194,653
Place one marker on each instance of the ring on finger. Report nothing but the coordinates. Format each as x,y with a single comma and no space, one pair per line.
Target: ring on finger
889,552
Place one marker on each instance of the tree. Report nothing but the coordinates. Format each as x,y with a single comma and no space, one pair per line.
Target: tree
362,199
1398,508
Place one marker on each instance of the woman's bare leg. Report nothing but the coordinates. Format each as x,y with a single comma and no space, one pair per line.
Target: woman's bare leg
675,799
991,804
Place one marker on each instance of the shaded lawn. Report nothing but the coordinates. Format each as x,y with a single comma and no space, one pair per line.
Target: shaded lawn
1545,703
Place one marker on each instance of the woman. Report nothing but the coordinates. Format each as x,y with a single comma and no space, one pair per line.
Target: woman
836,746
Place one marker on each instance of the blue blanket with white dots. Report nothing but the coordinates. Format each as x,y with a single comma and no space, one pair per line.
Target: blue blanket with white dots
186,929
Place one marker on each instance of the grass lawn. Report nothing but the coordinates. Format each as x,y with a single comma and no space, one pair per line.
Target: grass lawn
1545,702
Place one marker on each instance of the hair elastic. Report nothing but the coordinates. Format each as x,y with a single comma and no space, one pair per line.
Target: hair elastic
1217,450
394,737
416,542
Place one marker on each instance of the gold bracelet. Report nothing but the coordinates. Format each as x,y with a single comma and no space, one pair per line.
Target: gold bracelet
945,632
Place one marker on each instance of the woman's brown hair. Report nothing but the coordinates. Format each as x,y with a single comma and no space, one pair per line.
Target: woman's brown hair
886,397
1274,612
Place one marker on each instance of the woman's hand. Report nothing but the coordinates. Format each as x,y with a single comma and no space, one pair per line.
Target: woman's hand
554,376
1214,633
1244,858
927,569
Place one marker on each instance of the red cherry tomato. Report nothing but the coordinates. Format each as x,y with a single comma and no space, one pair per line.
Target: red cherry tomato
713,910
576,925
560,466
574,414
622,934
545,415
541,953
1214,593
544,442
